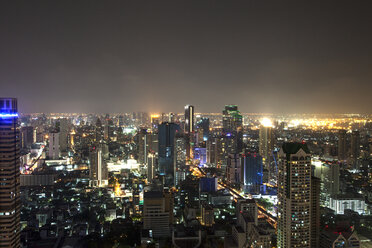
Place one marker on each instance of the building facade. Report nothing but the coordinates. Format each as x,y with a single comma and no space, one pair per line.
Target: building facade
294,196
10,174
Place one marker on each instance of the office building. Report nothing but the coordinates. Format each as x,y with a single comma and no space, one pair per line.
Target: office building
355,149
189,119
315,212
158,212
233,169
329,175
252,172
294,196
203,130
266,145
167,158
10,174
208,184
54,151
99,130
232,122
27,137
98,172
142,146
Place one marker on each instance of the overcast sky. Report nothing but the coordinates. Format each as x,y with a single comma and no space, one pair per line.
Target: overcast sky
125,56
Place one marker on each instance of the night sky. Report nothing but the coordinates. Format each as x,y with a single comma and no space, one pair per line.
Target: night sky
124,56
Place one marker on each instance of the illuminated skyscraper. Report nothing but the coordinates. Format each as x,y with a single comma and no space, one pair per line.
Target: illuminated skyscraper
143,146
9,174
189,130
189,119
98,170
167,158
294,196
266,145
232,122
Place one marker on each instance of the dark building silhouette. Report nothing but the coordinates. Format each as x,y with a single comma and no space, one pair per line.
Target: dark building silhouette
167,158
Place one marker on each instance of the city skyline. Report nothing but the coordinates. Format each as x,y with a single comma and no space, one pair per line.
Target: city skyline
125,56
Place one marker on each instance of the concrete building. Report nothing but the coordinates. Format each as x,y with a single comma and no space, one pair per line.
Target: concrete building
158,213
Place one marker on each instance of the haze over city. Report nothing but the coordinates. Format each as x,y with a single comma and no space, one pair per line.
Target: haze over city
125,56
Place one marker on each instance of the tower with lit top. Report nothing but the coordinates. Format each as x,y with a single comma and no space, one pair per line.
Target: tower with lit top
9,174
294,196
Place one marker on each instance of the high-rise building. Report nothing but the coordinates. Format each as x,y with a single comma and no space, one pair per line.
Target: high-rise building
9,176
54,151
232,122
355,148
266,144
315,212
151,170
167,158
189,130
158,212
203,130
294,196
342,145
252,172
63,134
99,130
27,136
142,146
97,170
233,169
189,119
329,175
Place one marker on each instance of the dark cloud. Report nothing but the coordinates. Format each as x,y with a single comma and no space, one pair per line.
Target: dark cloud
123,56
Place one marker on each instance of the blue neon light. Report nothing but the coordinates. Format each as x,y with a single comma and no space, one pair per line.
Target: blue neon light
4,115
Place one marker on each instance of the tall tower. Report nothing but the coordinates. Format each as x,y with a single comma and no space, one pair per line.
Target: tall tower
98,170
315,211
294,196
9,175
54,151
342,145
189,130
355,148
63,134
167,158
232,122
266,145
189,119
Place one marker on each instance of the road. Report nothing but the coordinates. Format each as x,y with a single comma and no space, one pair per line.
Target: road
272,220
